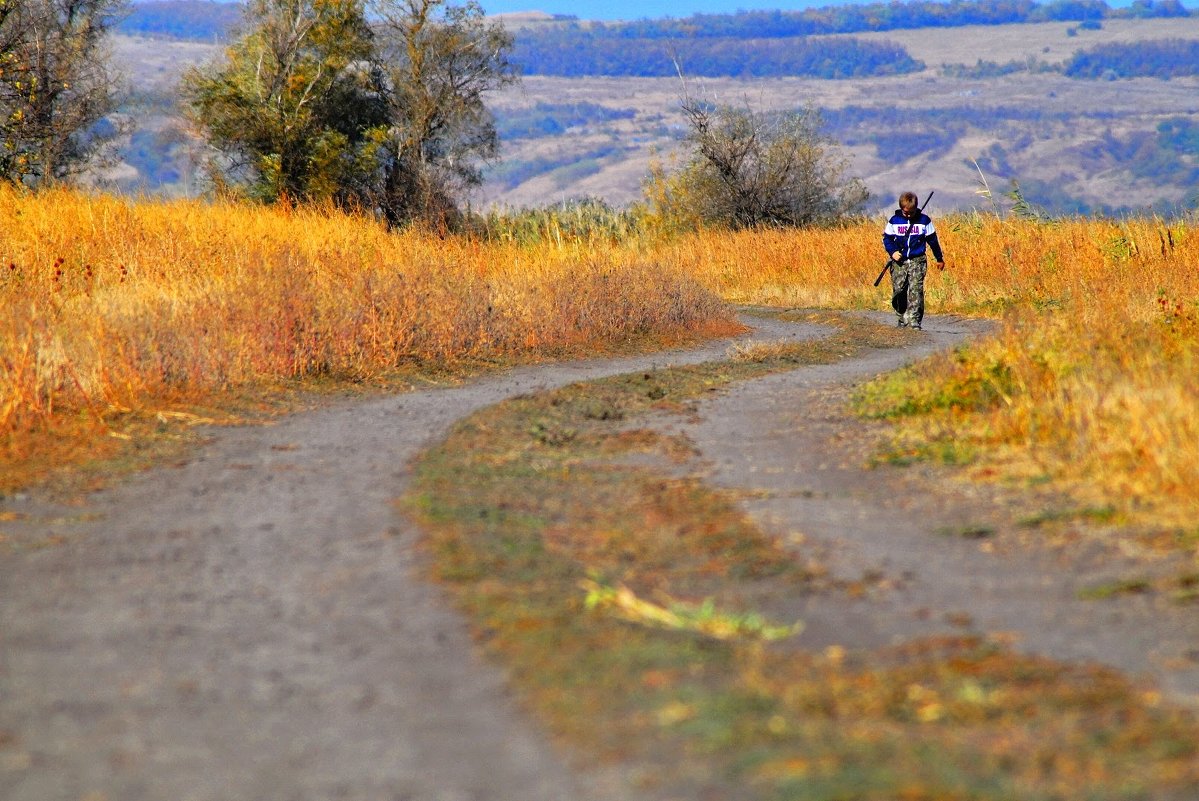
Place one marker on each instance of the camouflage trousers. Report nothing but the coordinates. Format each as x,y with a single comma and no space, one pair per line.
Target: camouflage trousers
907,289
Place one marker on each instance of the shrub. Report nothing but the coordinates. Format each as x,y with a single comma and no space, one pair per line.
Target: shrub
748,169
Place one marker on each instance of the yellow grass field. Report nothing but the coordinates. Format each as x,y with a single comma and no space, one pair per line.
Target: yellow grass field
1093,379
111,305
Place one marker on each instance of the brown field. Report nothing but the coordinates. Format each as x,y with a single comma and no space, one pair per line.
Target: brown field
1046,41
1052,152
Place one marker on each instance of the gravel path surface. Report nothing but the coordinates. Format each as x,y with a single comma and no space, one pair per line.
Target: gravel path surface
253,625
929,556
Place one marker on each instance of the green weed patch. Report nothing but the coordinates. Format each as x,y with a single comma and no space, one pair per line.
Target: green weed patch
932,387
1113,589
1098,514
626,600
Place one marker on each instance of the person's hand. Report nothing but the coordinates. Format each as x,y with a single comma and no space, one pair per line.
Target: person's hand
896,256
940,265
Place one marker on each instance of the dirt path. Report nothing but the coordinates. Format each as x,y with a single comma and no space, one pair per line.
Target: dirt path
901,536
253,625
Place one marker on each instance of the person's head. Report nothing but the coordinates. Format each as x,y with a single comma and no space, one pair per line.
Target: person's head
907,203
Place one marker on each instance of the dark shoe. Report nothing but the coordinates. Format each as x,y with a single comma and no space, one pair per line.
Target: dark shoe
917,327
901,324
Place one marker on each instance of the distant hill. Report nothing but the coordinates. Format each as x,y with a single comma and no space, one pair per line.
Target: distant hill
526,19
1121,135
888,16
747,43
576,52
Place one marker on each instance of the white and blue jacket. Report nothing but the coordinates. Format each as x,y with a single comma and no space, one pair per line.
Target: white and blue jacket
910,237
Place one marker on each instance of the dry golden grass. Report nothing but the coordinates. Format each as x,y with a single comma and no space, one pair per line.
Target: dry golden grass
995,264
111,305
561,540
1093,380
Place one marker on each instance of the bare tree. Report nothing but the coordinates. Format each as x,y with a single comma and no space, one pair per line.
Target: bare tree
56,86
748,168
434,63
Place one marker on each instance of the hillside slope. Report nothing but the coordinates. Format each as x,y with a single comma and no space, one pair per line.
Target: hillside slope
1074,145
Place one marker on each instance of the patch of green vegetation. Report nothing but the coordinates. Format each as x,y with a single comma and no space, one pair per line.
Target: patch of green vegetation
1096,514
912,392
1114,589
588,219
1185,589
1182,588
536,540
944,452
1188,539
991,69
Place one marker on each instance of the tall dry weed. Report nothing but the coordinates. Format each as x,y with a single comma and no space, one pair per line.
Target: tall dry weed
110,304
995,264
1093,379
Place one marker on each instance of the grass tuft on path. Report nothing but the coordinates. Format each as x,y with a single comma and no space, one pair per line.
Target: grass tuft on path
533,506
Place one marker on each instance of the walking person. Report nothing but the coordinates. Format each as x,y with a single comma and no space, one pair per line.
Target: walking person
909,233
